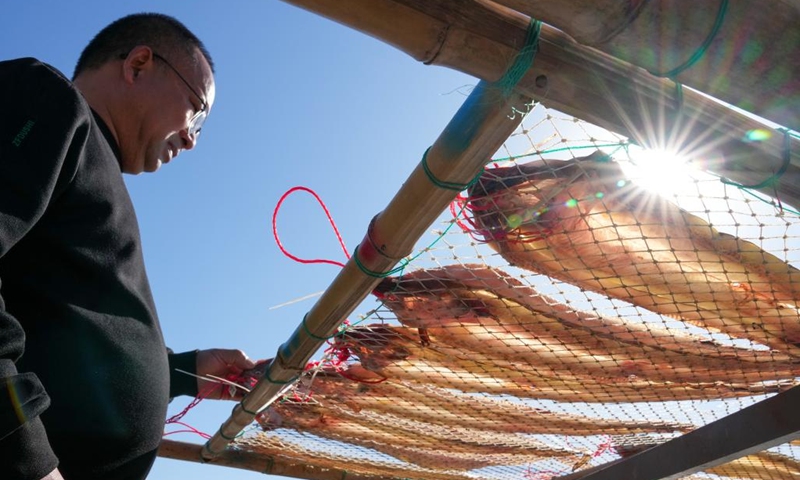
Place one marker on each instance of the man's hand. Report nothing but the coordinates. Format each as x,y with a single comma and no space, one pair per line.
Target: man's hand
223,364
54,475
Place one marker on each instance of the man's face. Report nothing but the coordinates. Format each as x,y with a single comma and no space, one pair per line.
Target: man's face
176,96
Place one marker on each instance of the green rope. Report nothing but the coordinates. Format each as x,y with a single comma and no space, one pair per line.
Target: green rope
208,447
308,332
523,60
407,262
723,8
373,273
787,159
771,202
457,187
248,411
270,380
277,382
619,145
507,83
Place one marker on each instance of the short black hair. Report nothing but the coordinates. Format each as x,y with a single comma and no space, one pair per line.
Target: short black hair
162,33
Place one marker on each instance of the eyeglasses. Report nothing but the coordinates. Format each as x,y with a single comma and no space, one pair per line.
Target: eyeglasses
197,120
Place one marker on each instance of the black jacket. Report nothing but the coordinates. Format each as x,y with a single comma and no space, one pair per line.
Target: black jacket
83,366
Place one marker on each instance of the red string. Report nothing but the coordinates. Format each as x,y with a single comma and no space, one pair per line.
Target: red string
189,429
603,447
330,219
247,381
337,356
466,208
176,419
199,398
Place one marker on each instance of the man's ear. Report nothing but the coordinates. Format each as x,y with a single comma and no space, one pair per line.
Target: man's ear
138,60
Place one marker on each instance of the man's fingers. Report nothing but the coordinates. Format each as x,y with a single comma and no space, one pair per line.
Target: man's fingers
235,358
241,360
245,363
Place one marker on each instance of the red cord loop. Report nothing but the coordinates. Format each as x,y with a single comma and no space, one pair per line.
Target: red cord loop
327,214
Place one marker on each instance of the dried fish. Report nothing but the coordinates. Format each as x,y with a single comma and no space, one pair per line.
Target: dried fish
573,221
398,353
485,310
426,447
358,390
287,449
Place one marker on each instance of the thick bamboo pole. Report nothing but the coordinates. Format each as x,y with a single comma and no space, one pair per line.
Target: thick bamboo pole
476,132
245,460
752,61
479,37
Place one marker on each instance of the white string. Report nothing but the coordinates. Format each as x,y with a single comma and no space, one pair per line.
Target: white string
296,300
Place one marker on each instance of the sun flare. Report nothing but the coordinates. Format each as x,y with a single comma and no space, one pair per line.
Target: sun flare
660,171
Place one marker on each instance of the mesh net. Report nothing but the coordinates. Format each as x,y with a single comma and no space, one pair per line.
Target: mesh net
583,301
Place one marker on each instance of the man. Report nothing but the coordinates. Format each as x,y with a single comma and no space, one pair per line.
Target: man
85,376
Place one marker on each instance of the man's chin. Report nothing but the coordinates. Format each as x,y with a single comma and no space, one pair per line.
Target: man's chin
153,166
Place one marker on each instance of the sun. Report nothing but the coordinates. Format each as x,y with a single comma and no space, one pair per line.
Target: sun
665,172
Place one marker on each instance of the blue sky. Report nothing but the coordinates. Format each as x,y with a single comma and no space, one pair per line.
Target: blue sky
300,101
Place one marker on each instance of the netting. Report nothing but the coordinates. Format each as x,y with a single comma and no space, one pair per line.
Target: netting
583,301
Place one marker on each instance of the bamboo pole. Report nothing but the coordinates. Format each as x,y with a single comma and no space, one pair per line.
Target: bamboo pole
257,462
752,60
476,132
480,37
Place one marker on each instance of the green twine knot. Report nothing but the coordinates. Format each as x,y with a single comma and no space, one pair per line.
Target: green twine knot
698,54
248,411
523,60
308,332
279,382
373,273
457,187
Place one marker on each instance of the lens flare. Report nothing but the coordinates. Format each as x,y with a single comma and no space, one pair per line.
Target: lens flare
16,404
514,221
757,135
